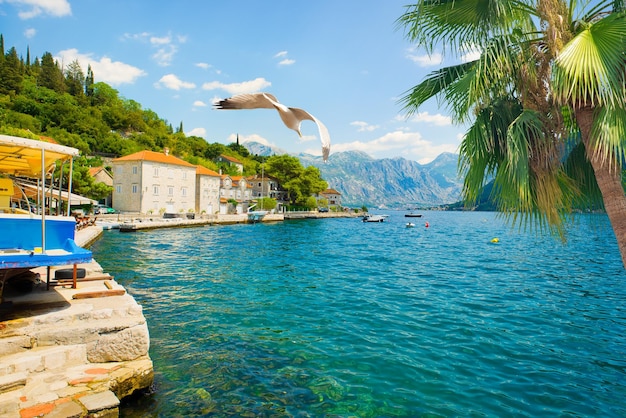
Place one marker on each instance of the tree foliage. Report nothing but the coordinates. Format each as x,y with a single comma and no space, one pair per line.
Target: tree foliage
299,182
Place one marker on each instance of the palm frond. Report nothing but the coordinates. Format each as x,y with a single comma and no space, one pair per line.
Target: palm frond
434,84
609,133
590,68
452,25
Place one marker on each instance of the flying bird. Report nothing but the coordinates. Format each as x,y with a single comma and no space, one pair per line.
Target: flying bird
292,116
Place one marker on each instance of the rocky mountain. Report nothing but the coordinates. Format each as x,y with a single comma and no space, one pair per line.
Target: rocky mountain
388,182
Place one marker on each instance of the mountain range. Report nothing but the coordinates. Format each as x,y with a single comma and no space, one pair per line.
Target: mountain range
384,183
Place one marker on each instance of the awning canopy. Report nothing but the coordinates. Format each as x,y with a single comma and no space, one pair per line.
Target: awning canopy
31,191
24,157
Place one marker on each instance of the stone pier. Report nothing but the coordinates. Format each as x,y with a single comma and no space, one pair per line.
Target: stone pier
72,352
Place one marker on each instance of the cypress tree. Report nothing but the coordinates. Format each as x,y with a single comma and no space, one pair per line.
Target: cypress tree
51,75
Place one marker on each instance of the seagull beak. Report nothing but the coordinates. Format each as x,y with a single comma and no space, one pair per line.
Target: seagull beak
299,133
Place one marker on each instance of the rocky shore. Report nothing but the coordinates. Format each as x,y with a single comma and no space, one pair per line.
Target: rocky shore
72,352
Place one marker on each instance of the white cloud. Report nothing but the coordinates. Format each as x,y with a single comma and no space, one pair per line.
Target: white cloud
424,60
165,40
141,37
166,46
251,86
437,120
164,56
199,103
30,32
33,8
284,61
364,126
251,138
410,145
201,132
172,82
203,65
471,55
114,73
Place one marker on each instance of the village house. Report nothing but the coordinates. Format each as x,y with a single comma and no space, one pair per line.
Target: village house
234,188
332,196
102,175
207,191
232,161
153,182
269,187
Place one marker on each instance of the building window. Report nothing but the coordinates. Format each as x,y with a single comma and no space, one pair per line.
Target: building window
118,189
134,169
135,188
155,190
170,191
156,171
184,175
183,192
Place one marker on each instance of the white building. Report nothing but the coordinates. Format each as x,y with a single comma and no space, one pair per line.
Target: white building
153,182
207,191
234,188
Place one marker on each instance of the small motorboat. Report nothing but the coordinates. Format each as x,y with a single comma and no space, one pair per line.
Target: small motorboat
413,215
375,218
410,225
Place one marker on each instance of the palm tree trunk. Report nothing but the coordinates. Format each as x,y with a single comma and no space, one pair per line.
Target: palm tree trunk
609,179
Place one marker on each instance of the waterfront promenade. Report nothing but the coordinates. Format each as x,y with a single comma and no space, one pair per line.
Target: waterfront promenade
68,351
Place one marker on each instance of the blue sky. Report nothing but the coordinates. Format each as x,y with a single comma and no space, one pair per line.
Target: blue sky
344,61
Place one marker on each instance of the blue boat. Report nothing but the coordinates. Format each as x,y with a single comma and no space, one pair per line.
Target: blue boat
32,236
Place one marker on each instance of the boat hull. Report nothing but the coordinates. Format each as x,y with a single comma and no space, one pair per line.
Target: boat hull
21,244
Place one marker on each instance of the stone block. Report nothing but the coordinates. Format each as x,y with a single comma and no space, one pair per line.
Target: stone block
28,363
12,381
14,344
125,345
100,401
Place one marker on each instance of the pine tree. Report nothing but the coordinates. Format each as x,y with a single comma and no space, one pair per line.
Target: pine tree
51,75
10,73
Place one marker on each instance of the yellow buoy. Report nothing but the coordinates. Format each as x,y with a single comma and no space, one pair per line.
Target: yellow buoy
495,240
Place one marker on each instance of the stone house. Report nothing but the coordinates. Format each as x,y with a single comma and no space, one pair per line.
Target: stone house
269,187
153,182
230,161
102,175
207,191
234,188
332,196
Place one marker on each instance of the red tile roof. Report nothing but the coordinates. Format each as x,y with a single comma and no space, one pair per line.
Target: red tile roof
205,171
156,157
330,191
231,159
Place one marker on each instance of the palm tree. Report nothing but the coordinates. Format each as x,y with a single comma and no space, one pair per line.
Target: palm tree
546,101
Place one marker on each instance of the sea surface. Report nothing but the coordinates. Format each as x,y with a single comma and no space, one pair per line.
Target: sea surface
340,318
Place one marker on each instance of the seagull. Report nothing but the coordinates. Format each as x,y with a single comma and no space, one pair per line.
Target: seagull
292,116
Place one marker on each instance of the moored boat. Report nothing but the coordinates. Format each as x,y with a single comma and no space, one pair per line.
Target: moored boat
375,218
413,215
34,233
256,215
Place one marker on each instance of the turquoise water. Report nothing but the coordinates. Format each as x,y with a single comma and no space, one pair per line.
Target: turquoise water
342,318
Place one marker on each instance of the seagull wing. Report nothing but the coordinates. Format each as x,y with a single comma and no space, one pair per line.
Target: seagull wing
247,101
292,117
301,115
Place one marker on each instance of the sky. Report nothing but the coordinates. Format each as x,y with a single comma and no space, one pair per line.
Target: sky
346,62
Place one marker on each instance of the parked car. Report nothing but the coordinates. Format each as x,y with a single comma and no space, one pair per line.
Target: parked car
323,210
102,209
